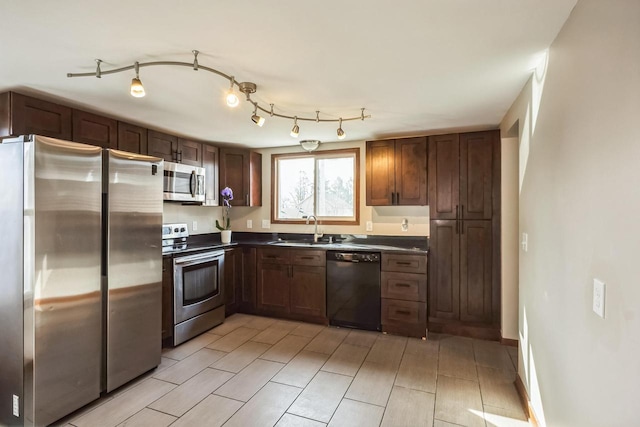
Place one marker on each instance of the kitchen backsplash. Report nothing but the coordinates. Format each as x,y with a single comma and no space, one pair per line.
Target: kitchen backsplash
386,221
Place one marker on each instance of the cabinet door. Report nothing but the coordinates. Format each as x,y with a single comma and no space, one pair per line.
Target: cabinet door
273,288
234,173
248,297
92,129
167,298
475,272
30,115
210,164
255,179
132,138
308,291
444,176
190,152
444,270
476,175
380,173
232,279
162,145
411,171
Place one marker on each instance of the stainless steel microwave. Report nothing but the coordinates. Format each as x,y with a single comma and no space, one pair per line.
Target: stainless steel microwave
183,183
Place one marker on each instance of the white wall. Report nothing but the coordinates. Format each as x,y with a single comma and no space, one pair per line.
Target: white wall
580,203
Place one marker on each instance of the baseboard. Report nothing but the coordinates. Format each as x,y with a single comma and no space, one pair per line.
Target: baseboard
509,342
526,403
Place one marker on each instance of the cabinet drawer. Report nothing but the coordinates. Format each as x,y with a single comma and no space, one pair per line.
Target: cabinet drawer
404,263
309,257
401,313
274,256
404,286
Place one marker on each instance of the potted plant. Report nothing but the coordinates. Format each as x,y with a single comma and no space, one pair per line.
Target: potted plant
225,228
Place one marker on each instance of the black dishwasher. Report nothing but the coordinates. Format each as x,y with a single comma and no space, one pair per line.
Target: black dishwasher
353,289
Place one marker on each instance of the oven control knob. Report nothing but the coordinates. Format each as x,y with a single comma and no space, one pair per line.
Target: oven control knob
175,230
182,229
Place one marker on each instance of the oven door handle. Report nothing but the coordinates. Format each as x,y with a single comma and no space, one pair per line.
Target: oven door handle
200,258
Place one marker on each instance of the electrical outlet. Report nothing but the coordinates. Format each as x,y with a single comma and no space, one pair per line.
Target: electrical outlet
405,225
265,223
599,290
369,226
249,223
525,242
16,406
194,226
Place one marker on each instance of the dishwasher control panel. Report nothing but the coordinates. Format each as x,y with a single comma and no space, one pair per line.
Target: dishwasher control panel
354,256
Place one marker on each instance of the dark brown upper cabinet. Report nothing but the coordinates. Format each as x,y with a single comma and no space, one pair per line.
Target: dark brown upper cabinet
23,115
241,170
210,163
189,152
462,175
162,145
96,130
132,138
397,172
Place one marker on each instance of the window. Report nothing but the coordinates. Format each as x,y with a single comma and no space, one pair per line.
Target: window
324,184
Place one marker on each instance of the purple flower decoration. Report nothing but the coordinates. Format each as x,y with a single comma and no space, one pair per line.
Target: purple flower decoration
227,193
227,196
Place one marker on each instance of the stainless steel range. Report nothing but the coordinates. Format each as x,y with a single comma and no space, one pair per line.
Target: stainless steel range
198,291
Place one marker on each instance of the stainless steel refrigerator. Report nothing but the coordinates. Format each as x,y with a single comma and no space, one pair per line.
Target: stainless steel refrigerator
67,312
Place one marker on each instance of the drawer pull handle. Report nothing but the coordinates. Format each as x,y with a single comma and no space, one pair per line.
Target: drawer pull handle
403,263
407,312
307,257
272,256
403,285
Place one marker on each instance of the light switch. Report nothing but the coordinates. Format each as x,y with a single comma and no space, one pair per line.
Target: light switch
599,290
265,223
525,242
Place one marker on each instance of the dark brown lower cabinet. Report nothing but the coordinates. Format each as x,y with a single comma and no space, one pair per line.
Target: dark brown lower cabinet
291,283
403,292
308,291
273,288
232,280
248,297
460,279
167,300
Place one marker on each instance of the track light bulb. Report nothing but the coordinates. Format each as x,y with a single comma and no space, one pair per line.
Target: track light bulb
340,132
137,90
232,98
256,118
295,130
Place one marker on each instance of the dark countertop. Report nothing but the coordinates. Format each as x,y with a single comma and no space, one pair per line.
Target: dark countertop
408,245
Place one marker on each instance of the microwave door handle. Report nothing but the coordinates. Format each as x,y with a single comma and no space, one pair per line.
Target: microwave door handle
192,183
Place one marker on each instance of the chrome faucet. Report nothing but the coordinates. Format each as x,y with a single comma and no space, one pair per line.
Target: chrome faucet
316,235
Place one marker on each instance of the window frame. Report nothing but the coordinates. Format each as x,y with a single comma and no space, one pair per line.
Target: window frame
315,155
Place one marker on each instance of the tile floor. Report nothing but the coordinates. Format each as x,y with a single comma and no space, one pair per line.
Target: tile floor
255,371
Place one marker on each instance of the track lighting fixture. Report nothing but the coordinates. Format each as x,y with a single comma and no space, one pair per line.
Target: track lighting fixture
340,132
137,89
231,98
295,131
259,120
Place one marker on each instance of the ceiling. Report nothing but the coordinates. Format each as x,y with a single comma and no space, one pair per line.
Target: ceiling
415,65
